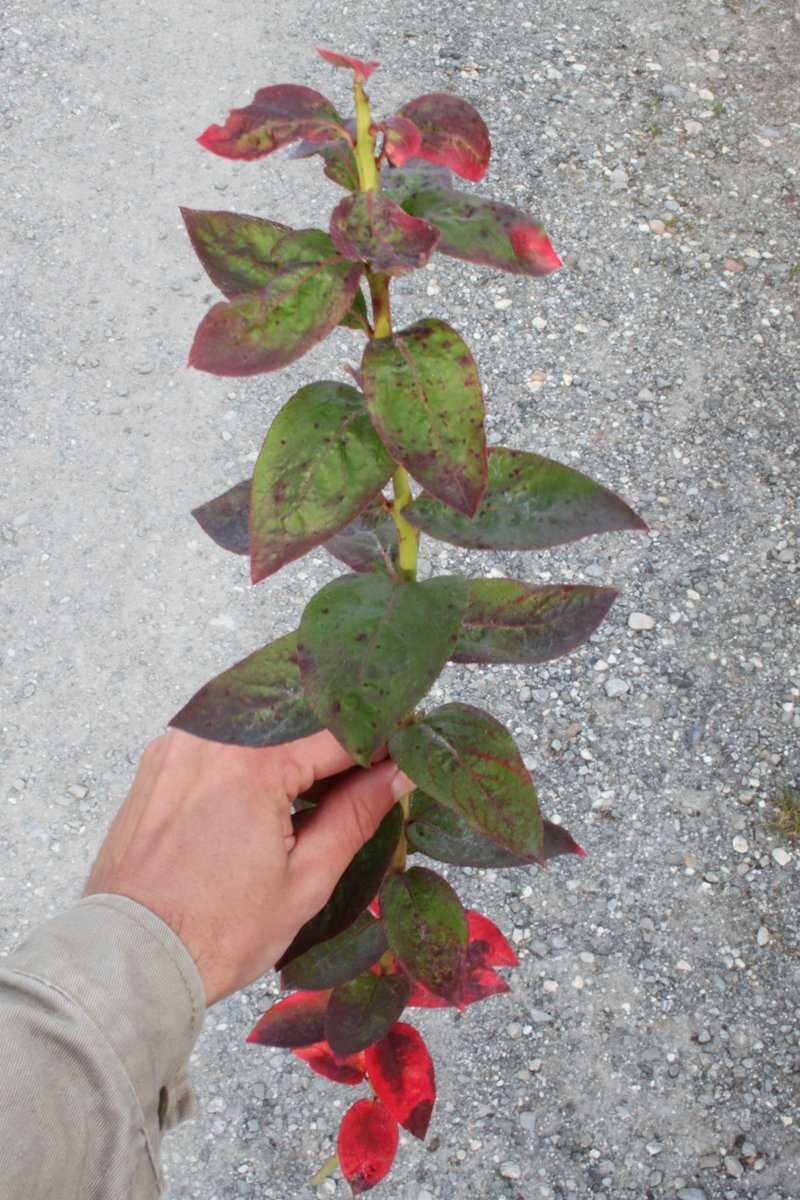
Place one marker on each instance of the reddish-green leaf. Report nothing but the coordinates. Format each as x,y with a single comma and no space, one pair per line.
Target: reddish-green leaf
453,133
427,929
276,116
367,1144
340,161
468,761
425,398
508,621
487,945
444,835
370,646
340,958
350,1070
237,251
359,65
354,890
320,465
485,231
371,227
298,1020
226,518
368,542
531,503
401,140
257,702
479,984
302,303
356,316
401,1072
362,1010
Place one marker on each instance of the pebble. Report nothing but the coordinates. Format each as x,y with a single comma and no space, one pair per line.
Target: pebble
704,1037
691,1194
733,265
782,857
528,1121
693,128
535,380
762,937
616,688
78,792
510,1170
740,844
641,621
657,226
618,179
733,1166
424,1196
540,1016
539,324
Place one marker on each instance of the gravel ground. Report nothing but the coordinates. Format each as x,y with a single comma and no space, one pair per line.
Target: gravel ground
649,1047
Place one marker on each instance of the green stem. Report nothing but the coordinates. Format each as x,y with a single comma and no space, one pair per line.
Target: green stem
365,141
325,1170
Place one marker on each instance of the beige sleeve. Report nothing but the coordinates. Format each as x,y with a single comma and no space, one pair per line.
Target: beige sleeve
99,1010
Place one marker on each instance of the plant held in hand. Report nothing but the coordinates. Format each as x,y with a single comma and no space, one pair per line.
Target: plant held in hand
371,643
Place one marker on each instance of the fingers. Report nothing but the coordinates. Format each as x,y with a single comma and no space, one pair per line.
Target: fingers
347,818
313,758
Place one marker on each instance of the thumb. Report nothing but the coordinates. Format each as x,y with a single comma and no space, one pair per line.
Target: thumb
347,818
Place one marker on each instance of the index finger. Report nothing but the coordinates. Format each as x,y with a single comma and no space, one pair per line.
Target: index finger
325,755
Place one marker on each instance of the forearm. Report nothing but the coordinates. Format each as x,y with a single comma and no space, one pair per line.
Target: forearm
99,1010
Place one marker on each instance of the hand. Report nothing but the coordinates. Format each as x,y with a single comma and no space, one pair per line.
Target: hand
205,841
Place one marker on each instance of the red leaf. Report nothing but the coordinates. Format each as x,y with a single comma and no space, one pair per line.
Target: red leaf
401,140
532,245
487,946
296,1021
320,1058
453,133
371,227
275,117
367,1144
401,1072
483,982
558,840
364,69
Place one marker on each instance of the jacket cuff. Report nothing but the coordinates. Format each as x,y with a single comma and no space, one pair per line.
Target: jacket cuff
133,977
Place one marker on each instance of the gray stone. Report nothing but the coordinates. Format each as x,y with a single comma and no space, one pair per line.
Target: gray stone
616,688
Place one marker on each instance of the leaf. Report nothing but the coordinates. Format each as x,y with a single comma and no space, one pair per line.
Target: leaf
297,1020
427,930
531,503
479,984
485,231
340,958
367,1144
444,835
275,117
453,133
415,175
487,946
354,890
362,68
340,161
401,1073
401,140
369,647
356,316
371,227
362,1010
425,399
319,1056
321,463
257,702
368,542
226,518
507,621
468,761
301,304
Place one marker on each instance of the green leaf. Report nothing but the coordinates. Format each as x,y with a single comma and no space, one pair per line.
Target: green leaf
468,761
257,702
226,518
444,835
321,463
363,1010
485,231
531,503
511,622
369,647
427,929
425,398
354,891
368,542
371,227
299,306
340,958
241,253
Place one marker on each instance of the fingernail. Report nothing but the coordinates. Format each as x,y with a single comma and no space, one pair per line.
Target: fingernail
401,785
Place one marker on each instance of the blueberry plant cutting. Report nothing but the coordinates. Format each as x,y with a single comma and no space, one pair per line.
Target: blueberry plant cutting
371,643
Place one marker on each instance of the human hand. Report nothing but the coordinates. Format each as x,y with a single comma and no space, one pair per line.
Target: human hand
205,841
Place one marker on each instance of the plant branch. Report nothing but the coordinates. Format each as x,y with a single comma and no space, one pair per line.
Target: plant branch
365,140
327,1168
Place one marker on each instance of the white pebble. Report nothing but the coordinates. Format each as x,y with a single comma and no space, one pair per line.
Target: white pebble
782,857
740,844
641,621
762,937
